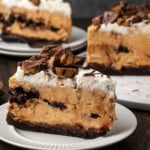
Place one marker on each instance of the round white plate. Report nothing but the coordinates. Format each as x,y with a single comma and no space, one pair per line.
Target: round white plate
133,91
123,127
27,53
76,41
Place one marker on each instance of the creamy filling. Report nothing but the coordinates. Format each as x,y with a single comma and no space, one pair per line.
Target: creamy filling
86,78
137,28
49,5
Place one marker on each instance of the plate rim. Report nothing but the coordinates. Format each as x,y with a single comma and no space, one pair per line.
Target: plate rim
131,100
74,45
36,146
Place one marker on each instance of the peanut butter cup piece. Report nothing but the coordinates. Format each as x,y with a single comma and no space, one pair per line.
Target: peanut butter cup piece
110,17
78,61
32,66
65,72
67,58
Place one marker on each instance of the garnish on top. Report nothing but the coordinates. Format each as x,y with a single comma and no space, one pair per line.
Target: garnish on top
123,14
61,60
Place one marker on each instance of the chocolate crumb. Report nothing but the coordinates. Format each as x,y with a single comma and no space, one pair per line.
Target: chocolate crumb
95,116
20,96
135,90
90,74
123,49
56,104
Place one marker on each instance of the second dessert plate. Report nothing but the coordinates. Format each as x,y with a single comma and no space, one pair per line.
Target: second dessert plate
76,41
122,128
133,91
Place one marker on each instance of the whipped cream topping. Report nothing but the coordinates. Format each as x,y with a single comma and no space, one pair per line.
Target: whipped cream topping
49,5
86,78
137,28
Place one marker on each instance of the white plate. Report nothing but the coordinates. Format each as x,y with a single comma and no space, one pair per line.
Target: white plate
133,91
27,53
76,41
123,127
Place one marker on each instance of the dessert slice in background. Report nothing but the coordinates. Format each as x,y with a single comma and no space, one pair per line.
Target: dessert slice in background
54,93
48,20
118,40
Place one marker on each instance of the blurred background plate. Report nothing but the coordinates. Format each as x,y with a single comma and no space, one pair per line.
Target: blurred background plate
76,41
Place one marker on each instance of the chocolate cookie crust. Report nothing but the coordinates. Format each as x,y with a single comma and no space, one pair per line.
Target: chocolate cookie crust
77,130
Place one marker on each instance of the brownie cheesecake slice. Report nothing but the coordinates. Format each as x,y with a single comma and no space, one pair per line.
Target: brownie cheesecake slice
118,40
55,93
48,20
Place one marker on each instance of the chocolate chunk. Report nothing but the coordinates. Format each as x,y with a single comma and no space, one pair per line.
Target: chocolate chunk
63,57
21,19
20,96
109,17
54,29
10,20
95,116
123,49
33,65
56,104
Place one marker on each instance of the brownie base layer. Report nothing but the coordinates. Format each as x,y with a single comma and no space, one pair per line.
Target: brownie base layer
76,130
123,71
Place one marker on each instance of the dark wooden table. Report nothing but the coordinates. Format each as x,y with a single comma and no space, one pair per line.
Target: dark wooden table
139,140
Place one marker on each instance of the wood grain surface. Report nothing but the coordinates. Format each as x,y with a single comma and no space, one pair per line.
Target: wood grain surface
140,140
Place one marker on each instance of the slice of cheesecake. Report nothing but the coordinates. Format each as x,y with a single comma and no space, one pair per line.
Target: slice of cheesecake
55,93
48,20
118,40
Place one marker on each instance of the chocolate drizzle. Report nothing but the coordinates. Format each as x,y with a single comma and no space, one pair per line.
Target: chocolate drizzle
89,74
124,14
